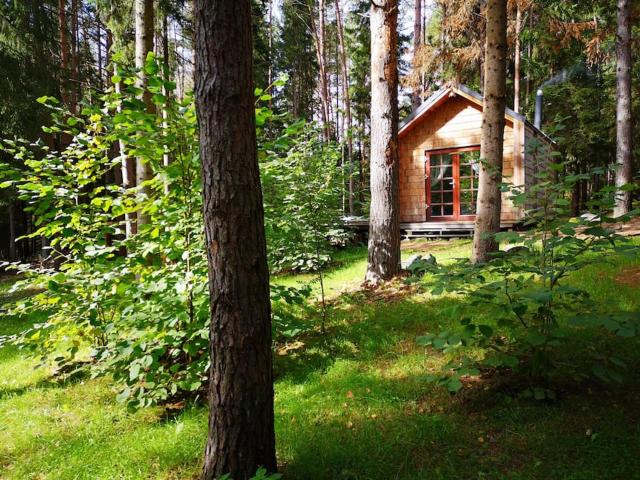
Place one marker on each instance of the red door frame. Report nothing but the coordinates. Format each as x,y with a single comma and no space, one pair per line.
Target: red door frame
455,165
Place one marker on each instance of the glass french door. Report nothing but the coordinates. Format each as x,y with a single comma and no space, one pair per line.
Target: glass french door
452,183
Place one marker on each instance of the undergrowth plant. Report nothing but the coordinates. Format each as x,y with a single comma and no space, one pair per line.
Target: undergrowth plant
537,311
136,307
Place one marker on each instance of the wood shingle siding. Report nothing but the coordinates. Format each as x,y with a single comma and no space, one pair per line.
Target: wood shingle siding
452,119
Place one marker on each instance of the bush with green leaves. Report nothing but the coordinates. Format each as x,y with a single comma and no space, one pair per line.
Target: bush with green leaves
526,287
303,187
135,308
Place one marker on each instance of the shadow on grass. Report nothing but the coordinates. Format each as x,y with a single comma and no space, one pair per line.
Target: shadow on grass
401,428
363,329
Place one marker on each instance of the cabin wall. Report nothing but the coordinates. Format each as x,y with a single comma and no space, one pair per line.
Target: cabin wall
456,123
537,158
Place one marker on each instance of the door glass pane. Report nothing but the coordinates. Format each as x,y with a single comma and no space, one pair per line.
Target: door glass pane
435,160
448,172
468,208
447,197
465,169
447,210
436,197
436,179
471,158
436,210
466,196
465,184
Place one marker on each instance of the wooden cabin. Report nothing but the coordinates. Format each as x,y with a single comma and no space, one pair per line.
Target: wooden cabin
439,149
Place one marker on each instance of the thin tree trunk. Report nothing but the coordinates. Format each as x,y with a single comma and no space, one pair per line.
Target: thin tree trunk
384,226
12,230
270,71
99,47
319,40
529,54
64,51
516,62
166,157
492,141
75,58
347,106
624,128
416,97
241,429
127,171
144,45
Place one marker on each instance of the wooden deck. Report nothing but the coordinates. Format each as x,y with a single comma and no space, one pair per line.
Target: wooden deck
453,229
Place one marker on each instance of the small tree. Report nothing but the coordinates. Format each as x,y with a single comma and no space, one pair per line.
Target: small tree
535,310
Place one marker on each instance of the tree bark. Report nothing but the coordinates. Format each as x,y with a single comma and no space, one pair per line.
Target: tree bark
516,62
384,226
347,106
144,45
75,58
319,37
241,430
488,209
624,129
416,97
64,51
166,157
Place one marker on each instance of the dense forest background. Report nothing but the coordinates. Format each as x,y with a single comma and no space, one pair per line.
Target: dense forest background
69,49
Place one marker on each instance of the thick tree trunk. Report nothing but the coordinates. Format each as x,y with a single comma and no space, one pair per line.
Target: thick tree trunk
516,62
492,142
384,227
347,106
144,45
416,96
623,109
241,431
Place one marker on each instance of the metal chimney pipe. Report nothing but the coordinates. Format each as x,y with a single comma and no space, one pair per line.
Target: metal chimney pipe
538,116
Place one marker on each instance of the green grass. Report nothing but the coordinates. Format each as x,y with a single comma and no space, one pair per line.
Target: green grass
353,404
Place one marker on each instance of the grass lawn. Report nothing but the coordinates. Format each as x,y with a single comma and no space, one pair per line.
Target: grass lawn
353,404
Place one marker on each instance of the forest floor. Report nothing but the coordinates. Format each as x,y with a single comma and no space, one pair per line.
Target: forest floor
352,404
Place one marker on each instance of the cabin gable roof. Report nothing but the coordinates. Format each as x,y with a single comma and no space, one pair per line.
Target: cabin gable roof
441,96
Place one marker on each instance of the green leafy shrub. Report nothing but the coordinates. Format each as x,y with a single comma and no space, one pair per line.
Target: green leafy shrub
135,308
303,189
536,310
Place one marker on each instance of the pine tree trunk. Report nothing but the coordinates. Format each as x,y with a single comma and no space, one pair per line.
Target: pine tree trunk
75,57
64,51
241,430
516,62
384,226
347,106
319,37
166,157
624,127
416,97
144,45
492,141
